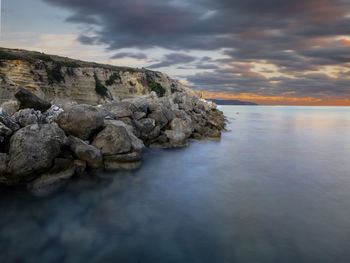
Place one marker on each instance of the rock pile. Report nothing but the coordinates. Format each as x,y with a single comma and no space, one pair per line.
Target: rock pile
42,144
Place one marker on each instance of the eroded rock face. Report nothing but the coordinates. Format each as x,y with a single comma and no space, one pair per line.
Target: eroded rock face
29,100
85,152
81,121
33,149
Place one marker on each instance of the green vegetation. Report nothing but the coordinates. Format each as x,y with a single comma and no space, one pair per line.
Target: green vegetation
100,88
8,55
156,87
112,79
33,55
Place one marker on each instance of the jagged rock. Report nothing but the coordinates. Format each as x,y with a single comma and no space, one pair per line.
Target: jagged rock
8,121
52,114
49,181
139,115
11,106
121,109
181,130
85,152
4,130
136,143
33,149
113,140
28,117
81,121
29,100
147,129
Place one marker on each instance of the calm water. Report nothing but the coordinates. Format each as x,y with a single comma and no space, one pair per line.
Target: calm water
276,188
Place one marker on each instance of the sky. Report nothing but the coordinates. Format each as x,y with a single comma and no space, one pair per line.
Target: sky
291,52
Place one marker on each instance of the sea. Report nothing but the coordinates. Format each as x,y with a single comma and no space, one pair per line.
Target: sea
275,188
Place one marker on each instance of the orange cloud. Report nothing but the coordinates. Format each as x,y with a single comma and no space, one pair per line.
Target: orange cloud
278,100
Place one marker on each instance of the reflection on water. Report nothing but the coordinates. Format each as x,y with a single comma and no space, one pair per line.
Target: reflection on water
274,189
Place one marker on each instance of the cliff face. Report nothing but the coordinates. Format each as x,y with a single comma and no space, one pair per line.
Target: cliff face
52,77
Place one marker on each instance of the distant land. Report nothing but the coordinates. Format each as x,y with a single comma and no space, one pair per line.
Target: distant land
232,102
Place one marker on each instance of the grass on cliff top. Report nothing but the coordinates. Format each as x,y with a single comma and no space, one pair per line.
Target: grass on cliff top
33,56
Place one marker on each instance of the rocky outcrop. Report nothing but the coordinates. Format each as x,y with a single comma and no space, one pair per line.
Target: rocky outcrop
43,146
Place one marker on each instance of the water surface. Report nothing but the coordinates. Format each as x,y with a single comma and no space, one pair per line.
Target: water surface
276,188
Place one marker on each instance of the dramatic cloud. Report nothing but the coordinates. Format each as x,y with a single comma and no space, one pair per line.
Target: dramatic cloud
173,59
298,47
138,56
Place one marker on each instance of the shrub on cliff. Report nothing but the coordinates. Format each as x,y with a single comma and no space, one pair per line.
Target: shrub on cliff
99,87
112,79
156,87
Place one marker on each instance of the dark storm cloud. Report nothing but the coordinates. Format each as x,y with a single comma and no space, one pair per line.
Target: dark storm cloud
138,56
294,35
173,59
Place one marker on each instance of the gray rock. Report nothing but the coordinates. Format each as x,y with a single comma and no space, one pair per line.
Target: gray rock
81,121
136,143
28,117
33,149
29,100
80,167
129,161
113,140
147,129
52,114
8,121
85,152
48,182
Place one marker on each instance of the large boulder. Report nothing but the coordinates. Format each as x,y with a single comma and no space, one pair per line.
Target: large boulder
85,152
113,140
147,129
4,159
29,100
81,121
28,117
33,149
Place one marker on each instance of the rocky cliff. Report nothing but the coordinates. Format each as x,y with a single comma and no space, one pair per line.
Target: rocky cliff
52,77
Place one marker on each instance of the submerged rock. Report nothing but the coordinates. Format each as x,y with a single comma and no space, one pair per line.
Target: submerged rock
49,181
29,100
81,121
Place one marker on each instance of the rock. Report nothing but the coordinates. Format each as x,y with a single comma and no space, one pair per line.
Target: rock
123,161
33,149
49,181
136,143
113,140
52,114
180,131
81,121
120,109
9,121
28,117
4,130
147,129
29,100
139,115
85,152
11,106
